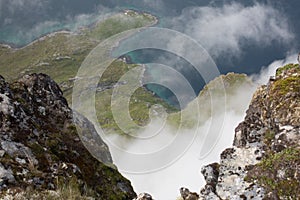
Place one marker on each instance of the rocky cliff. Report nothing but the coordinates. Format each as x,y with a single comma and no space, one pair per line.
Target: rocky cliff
41,154
264,162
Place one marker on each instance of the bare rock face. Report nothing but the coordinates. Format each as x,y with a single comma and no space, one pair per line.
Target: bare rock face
264,162
40,147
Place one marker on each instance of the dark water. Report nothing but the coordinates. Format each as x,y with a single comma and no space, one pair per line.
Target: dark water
23,21
154,56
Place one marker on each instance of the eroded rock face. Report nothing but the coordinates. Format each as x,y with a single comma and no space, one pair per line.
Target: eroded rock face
39,144
264,162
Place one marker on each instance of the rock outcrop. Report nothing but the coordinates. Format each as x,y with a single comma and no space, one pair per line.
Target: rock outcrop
264,162
186,194
144,196
40,149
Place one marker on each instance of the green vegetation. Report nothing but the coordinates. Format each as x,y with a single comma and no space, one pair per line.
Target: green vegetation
269,137
223,88
61,55
229,82
66,191
139,104
113,26
285,85
276,173
287,67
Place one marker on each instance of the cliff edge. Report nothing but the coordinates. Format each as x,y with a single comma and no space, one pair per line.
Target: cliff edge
264,162
41,154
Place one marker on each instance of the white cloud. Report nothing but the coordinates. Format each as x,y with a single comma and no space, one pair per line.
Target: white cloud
185,172
267,71
224,30
73,23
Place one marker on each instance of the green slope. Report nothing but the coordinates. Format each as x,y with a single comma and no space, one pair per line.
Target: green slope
60,55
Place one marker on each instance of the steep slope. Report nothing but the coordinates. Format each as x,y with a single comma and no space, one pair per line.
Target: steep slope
264,162
225,89
40,149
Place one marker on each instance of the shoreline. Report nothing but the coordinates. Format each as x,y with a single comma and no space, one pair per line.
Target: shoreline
41,38
155,21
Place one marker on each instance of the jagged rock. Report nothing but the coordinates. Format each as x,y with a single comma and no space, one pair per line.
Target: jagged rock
6,177
40,144
187,195
211,174
144,196
233,170
264,161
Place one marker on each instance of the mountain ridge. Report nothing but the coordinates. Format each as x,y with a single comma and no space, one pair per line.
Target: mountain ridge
41,150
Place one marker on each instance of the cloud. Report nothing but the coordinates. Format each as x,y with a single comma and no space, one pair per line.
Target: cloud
185,172
29,19
21,12
270,70
24,35
225,30
13,6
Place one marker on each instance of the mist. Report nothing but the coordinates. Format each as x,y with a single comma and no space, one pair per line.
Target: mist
270,70
26,31
227,29
161,159
162,177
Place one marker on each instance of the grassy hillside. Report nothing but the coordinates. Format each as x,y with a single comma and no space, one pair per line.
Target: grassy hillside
218,96
60,55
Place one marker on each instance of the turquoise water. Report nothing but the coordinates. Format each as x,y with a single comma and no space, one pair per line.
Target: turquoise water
18,37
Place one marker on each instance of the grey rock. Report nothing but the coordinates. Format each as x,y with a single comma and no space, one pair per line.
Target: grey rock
144,196
18,151
2,152
6,177
271,126
211,175
187,195
41,142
